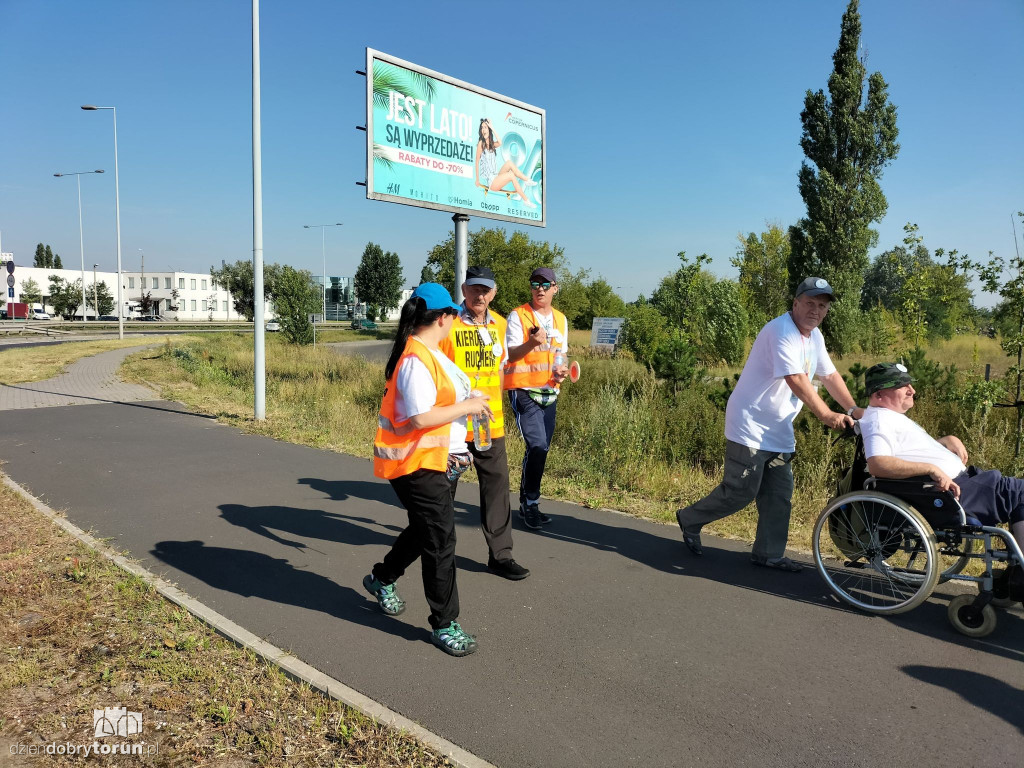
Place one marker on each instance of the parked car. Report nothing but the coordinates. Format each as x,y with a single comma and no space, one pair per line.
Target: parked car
107,318
273,325
39,314
363,325
152,318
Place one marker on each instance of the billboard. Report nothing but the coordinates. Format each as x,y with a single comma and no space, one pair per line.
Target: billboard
436,142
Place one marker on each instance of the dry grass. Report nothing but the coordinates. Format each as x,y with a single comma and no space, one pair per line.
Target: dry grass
77,634
27,364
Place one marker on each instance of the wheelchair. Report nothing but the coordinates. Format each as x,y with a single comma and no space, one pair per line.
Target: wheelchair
884,548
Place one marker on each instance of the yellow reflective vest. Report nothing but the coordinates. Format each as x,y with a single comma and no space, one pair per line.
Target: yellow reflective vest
469,350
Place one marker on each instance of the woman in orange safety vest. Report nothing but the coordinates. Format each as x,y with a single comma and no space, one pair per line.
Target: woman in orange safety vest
420,445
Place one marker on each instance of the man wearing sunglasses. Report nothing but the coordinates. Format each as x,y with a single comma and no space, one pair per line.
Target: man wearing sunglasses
537,333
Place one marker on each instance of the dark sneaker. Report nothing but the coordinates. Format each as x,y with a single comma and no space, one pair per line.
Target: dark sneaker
508,569
544,519
452,640
531,518
690,539
386,594
778,563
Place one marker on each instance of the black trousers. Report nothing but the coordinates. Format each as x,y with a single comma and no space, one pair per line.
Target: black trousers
495,509
430,536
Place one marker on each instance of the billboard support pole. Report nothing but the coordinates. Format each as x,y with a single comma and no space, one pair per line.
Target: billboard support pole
461,252
259,343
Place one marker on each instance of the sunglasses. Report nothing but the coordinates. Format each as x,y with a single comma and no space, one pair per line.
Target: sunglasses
544,285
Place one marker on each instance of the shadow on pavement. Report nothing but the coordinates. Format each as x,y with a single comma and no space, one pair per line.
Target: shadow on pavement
668,554
306,524
983,691
252,574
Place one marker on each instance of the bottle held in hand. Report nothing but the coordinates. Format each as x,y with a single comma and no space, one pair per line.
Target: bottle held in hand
559,361
481,427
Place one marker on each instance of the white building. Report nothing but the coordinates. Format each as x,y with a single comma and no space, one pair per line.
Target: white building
174,295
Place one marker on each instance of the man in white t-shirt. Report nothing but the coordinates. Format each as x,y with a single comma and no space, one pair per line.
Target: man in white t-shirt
897,448
775,384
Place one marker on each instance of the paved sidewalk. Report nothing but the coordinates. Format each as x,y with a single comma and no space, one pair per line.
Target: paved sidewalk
86,381
620,649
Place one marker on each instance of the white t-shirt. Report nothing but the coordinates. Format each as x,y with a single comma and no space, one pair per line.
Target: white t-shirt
417,394
762,407
890,433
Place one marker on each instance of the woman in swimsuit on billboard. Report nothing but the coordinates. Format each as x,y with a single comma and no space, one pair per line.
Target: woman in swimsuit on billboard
488,175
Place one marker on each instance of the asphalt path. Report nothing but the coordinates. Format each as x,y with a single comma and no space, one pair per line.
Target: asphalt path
620,649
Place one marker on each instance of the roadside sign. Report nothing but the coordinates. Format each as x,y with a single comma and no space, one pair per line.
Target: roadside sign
10,267
10,280
10,292
604,334
316,318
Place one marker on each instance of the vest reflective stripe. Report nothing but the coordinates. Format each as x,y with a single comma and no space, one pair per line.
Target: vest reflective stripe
534,370
397,453
465,347
399,448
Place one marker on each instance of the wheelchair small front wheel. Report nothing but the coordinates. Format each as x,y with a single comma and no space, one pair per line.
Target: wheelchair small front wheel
968,619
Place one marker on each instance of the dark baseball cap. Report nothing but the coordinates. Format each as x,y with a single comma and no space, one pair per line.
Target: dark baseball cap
480,276
543,275
815,286
886,376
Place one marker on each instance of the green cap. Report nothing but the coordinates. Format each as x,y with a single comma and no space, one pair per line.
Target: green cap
885,376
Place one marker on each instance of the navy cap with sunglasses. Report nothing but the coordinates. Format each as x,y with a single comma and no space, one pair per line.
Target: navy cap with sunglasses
542,277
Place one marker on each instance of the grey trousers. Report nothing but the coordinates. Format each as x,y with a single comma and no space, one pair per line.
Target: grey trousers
765,477
495,507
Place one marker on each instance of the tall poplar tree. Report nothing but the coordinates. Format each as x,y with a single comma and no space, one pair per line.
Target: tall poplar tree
848,137
378,279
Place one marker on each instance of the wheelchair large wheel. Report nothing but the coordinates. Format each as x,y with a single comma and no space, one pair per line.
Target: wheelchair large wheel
876,553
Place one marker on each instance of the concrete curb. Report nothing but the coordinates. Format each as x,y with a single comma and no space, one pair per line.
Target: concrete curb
289,664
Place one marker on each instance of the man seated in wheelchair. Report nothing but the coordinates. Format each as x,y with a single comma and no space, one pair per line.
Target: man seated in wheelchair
897,448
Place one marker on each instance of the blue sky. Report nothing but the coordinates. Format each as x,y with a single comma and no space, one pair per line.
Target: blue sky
671,126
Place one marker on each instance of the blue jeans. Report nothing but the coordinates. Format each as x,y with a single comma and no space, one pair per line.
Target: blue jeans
537,425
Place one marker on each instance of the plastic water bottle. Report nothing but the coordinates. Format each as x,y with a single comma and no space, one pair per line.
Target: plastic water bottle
481,428
560,361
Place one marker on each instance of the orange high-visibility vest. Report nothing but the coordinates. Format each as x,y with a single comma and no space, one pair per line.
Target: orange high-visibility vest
465,347
399,448
534,370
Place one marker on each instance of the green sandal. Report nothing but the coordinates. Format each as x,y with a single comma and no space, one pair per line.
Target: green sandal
453,640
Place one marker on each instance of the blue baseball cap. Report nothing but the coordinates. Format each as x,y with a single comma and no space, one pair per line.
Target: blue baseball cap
435,296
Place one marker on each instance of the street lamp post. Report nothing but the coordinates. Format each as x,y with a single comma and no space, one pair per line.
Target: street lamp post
95,295
323,255
117,219
81,241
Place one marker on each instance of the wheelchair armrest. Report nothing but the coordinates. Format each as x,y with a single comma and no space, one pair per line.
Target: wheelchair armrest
916,483
923,494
